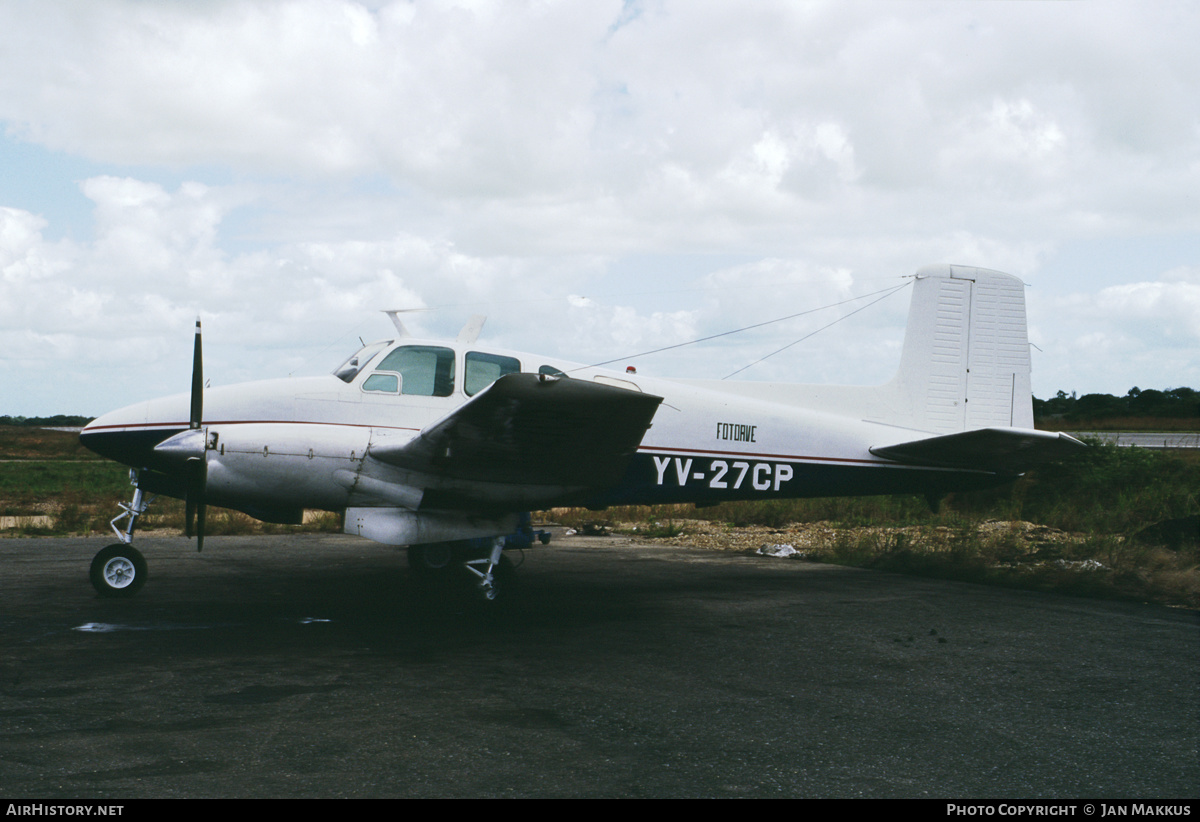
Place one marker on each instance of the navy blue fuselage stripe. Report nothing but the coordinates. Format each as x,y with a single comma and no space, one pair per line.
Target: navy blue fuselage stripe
653,479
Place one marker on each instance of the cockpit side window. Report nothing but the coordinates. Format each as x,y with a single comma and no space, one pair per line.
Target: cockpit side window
347,371
382,383
425,370
481,370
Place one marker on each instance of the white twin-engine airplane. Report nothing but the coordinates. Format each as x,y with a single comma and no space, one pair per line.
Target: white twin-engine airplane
442,447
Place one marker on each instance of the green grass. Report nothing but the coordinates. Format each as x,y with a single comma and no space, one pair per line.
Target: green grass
1179,424
1109,500
29,484
21,442
49,473
1105,489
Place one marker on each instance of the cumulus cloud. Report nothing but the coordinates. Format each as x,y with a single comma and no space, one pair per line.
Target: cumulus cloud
1121,333
550,98
286,168
1169,307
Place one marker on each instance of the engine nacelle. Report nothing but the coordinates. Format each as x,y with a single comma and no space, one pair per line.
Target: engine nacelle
266,463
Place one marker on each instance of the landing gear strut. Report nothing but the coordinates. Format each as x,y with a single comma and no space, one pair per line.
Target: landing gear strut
491,571
483,559
120,569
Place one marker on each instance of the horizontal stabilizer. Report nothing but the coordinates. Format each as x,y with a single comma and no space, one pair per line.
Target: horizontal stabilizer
1001,450
533,431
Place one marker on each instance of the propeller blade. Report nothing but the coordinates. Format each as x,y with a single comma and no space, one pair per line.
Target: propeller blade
194,504
200,480
197,383
197,467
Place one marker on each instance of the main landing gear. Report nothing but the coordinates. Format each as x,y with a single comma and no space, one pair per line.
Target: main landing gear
483,560
120,569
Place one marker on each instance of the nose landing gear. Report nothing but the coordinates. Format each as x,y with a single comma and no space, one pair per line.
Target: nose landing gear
120,569
493,572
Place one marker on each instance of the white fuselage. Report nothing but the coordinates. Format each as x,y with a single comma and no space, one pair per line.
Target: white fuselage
301,443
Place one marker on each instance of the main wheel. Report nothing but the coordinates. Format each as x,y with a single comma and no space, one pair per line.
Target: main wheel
430,557
118,571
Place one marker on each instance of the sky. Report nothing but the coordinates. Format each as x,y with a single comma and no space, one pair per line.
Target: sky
600,178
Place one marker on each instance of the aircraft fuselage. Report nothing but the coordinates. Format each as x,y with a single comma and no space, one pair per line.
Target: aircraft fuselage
276,447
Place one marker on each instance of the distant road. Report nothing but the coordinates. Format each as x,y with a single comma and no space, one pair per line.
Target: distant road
1169,439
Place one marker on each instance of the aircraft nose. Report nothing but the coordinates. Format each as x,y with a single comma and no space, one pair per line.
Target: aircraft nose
128,435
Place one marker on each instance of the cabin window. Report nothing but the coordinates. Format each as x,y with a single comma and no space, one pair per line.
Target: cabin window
481,370
347,371
383,382
425,370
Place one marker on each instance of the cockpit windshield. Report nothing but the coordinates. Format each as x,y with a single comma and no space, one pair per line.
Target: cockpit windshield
347,371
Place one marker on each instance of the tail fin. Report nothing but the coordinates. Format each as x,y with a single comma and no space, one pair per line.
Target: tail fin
965,361
964,374
964,365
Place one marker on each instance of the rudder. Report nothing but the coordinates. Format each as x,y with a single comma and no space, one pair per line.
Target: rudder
965,362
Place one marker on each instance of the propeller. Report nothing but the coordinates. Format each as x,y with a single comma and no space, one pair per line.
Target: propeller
197,466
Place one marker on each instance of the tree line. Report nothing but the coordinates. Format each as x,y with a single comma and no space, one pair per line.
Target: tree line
1174,402
57,421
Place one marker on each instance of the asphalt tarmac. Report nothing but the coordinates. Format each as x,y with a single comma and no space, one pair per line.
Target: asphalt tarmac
318,666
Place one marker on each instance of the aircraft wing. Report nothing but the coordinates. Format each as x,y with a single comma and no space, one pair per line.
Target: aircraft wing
532,431
1002,450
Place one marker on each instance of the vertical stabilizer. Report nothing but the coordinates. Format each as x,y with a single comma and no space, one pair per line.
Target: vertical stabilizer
965,361
964,364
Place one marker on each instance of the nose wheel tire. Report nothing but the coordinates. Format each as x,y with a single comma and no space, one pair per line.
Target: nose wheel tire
118,571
